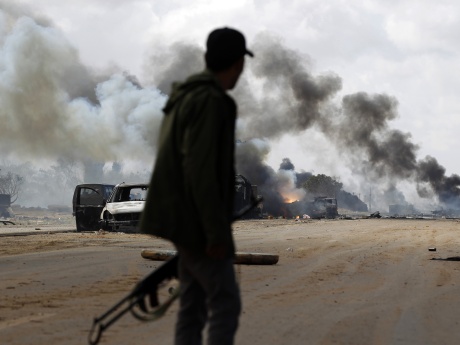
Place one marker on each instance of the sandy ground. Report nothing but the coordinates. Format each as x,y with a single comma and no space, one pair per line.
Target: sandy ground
368,281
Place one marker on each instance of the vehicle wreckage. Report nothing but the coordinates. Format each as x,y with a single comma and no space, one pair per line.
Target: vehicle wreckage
109,207
119,207
324,207
87,203
123,209
319,207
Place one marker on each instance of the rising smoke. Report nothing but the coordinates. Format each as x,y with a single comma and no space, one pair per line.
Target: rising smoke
294,100
173,64
53,107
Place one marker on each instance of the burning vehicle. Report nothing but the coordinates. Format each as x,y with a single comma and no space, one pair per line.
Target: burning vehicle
320,207
122,211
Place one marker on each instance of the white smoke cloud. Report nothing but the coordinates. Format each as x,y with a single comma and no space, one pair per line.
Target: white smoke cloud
61,123
39,72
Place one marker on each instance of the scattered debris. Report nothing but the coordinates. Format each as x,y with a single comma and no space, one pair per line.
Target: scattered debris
376,214
451,258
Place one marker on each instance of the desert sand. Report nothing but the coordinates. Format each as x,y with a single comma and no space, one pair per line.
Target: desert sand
361,281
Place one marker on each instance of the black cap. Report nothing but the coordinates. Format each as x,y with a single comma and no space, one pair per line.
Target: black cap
226,46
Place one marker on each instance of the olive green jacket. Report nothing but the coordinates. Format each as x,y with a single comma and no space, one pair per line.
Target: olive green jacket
190,199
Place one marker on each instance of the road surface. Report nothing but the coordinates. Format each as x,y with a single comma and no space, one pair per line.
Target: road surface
367,281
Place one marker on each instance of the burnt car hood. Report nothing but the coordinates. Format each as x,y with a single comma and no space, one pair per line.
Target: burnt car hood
125,207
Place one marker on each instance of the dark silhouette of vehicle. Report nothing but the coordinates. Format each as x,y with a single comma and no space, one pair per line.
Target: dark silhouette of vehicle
245,194
87,204
5,206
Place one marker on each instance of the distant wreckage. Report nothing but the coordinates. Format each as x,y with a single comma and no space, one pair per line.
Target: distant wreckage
119,207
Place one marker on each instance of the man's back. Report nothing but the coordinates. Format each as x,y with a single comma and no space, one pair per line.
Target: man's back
193,180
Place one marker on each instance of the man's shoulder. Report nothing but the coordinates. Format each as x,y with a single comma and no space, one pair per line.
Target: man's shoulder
204,82
210,94
202,90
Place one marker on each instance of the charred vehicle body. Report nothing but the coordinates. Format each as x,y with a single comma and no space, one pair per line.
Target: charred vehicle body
87,204
123,208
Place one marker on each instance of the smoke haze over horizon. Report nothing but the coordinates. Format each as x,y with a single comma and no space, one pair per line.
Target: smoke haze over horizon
56,108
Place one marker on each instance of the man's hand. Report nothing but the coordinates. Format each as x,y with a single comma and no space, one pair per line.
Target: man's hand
217,251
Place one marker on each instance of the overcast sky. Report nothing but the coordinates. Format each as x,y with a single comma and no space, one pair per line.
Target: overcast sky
408,49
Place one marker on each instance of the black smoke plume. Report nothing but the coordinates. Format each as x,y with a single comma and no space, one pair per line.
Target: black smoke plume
293,99
296,100
446,188
290,99
173,64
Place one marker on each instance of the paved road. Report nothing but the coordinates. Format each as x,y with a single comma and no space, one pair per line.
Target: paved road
51,297
337,282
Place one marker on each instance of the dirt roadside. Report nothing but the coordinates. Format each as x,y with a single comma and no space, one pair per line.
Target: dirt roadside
337,282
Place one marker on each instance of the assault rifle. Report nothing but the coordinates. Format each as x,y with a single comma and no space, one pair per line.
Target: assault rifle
143,302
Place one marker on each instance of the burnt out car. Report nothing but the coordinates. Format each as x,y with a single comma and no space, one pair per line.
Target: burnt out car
123,208
87,204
